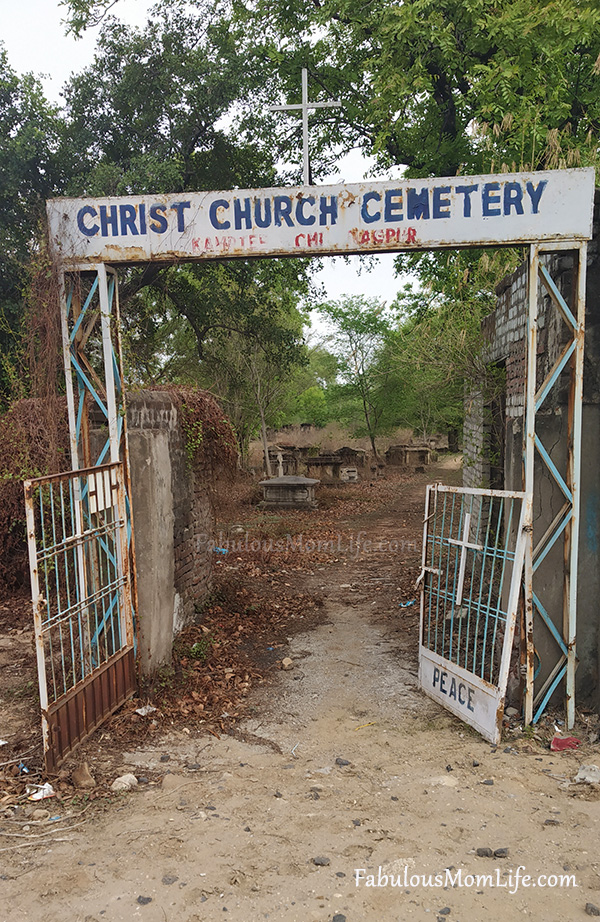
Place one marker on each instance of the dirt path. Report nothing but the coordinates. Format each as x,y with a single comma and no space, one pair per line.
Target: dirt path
345,769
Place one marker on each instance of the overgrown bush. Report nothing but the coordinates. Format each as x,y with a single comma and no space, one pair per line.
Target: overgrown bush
34,441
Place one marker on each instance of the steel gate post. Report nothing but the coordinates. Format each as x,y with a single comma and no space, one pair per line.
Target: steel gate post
566,521
573,480
64,324
529,438
107,348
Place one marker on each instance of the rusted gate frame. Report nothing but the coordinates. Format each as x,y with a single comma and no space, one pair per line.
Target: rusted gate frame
81,590
566,522
90,314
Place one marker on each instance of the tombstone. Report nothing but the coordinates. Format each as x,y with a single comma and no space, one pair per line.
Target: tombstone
289,492
408,455
326,466
352,457
283,456
349,475
396,455
418,456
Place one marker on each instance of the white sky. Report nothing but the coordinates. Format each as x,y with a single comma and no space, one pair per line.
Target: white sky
35,39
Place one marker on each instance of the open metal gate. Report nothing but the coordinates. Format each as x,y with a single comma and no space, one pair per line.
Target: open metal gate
77,534
474,544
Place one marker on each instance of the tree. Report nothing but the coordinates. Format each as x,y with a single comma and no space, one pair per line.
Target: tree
30,170
437,350
252,378
434,86
446,86
360,327
157,111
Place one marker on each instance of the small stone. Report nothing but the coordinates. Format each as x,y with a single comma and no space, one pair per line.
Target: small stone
475,763
165,757
445,911
393,798
511,712
339,874
342,762
144,900
484,853
356,822
124,783
169,879
591,909
247,829
321,862
287,663
194,766
487,781
449,768
551,822
500,853
143,780
278,794
339,917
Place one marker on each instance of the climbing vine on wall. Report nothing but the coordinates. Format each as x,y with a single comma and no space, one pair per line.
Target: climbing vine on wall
210,439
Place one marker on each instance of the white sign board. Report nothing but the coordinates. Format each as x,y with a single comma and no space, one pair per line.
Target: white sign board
369,217
469,697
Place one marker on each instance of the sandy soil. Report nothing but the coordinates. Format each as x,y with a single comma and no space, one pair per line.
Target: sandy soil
345,776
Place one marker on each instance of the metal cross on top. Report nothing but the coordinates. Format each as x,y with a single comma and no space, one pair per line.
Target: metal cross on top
305,105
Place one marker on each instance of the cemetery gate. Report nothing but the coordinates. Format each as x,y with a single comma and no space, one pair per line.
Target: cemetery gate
546,211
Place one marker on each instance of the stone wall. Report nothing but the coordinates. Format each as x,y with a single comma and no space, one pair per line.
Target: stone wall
173,523
506,333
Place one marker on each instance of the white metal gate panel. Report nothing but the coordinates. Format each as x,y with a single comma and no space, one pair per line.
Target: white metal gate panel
76,524
473,551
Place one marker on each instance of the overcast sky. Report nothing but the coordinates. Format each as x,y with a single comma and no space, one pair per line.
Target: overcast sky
36,42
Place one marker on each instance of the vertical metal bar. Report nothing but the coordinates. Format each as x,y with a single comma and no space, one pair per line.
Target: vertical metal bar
38,603
305,159
64,324
83,606
573,480
529,451
515,587
482,577
428,490
125,452
490,603
107,350
122,552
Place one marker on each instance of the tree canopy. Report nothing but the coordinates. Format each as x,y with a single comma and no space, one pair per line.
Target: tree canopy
435,87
